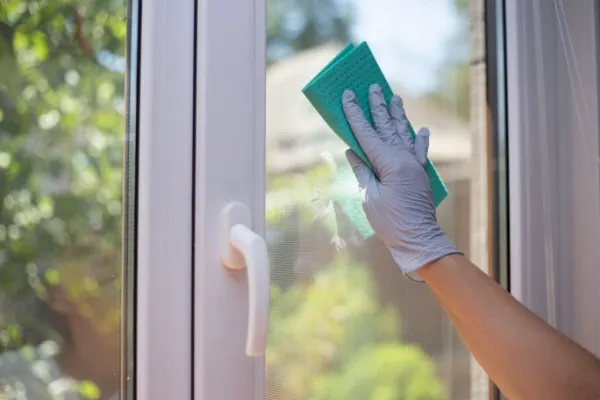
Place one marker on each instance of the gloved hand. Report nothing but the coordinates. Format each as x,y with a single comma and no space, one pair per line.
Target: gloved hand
398,205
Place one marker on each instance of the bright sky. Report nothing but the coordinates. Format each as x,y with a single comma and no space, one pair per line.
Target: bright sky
409,37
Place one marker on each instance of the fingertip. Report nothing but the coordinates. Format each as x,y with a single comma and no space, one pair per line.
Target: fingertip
397,108
374,88
376,98
362,173
356,163
380,113
352,158
348,95
422,145
397,100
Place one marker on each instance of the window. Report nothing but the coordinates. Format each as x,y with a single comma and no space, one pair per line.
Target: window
96,212
127,131
63,110
344,322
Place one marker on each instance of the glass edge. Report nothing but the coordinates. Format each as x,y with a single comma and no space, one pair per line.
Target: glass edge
495,22
130,196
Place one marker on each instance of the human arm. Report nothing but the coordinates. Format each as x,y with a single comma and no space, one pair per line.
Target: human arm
522,354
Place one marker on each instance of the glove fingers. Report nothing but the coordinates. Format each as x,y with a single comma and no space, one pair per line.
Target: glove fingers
399,115
361,171
379,112
422,145
368,139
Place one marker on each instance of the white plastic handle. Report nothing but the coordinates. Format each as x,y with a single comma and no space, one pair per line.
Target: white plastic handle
241,247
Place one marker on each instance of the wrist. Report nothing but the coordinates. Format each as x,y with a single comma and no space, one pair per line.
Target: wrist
421,250
432,269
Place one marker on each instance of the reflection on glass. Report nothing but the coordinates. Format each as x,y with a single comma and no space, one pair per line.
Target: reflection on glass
345,324
62,132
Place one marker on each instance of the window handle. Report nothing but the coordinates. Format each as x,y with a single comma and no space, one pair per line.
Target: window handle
243,248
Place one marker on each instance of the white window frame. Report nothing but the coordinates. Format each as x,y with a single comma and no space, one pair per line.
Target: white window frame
200,342
554,214
229,166
163,316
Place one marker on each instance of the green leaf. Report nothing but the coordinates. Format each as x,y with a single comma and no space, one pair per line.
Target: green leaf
20,41
52,276
39,46
89,390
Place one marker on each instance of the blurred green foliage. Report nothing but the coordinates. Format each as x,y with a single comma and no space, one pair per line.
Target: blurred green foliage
331,339
61,140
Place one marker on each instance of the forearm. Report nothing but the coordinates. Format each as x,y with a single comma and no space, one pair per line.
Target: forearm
522,354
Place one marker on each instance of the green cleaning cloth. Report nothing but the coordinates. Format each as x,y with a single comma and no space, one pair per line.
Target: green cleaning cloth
355,68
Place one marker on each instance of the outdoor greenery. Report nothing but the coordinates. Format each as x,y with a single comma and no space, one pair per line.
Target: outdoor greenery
61,142
332,340
62,136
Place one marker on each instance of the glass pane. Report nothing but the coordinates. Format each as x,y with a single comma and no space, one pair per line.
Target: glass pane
345,323
62,163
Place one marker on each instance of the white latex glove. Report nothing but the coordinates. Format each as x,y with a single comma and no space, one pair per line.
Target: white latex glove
398,205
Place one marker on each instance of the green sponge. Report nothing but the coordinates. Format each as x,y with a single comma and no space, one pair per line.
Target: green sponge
355,68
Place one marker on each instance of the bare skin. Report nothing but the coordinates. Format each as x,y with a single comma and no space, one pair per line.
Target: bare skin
521,353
